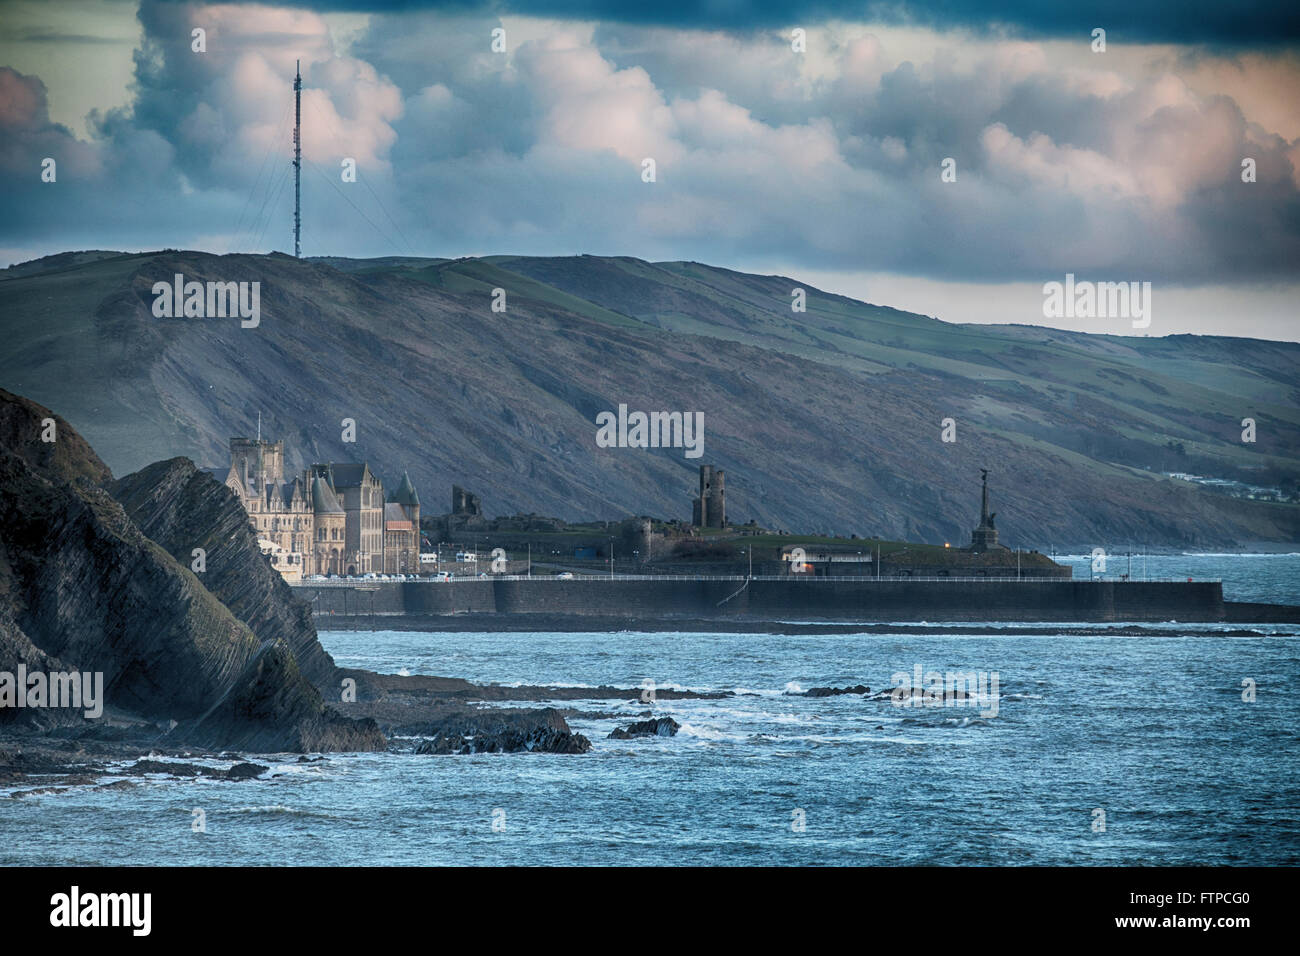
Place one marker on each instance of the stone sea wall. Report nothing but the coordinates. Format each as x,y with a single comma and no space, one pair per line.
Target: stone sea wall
784,599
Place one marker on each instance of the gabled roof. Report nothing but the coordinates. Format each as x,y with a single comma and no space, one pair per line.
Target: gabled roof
292,490
349,475
231,478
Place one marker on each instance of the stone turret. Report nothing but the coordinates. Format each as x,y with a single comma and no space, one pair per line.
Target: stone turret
323,499
330,530
406,496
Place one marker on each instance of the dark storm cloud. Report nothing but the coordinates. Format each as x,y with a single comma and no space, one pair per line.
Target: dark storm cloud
1063,167
43,35
1213,22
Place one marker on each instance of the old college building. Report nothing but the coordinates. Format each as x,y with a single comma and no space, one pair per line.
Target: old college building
331,519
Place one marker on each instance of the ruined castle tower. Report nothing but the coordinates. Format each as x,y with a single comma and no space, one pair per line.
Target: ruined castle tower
710,508
465,502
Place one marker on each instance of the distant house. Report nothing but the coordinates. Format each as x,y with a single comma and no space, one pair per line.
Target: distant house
827,562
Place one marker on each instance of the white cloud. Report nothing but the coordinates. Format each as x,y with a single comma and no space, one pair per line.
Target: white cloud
1066,159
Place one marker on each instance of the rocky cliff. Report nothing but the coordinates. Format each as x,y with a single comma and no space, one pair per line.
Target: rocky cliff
84,588
183,509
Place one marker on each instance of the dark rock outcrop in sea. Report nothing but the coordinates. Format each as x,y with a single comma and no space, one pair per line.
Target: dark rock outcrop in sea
919,694
83,588
662,727
60,764
175,768
832,691
502,731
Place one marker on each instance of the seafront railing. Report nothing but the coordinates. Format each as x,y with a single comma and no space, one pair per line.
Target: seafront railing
790,578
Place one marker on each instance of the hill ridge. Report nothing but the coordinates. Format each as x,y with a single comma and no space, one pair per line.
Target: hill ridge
828,419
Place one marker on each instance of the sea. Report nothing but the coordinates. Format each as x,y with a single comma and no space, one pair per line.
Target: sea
1115,749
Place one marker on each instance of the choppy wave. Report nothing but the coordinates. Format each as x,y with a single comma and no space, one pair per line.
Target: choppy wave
702,732
280,810
1241,554
1080,711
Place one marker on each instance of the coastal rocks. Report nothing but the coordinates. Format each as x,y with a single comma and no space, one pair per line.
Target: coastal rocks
503,731
17,649
89,588
919,695
81,584
172,768
272,708
69,764
244,771
421,706
603,692
181,508
23,763
662,727
833,691
509,741
411,690
180,770
37,792
69,458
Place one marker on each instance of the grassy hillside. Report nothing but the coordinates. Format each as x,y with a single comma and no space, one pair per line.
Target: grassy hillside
827,420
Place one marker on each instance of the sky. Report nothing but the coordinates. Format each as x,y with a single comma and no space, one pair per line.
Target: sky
807,139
